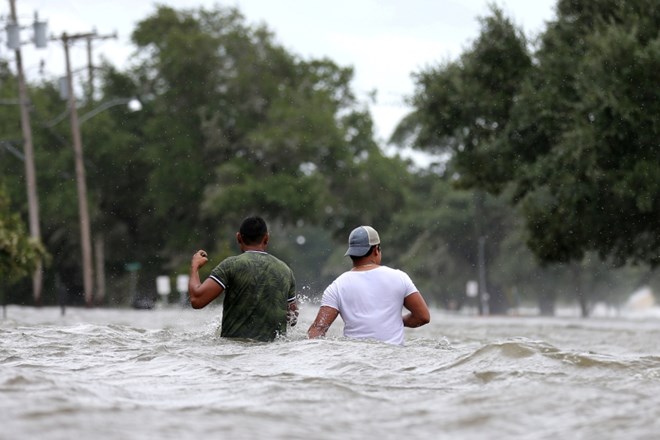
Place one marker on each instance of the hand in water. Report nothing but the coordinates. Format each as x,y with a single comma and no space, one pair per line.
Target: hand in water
292,317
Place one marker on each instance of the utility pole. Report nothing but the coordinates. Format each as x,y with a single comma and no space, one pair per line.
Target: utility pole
90,70
90,64
28,148
81,179
99,241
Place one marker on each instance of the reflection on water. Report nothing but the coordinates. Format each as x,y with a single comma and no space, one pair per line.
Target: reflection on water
127,374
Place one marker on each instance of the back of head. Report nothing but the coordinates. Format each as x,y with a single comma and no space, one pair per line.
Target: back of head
361,242
253,229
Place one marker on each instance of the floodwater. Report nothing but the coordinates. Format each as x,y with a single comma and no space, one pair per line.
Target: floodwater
166,374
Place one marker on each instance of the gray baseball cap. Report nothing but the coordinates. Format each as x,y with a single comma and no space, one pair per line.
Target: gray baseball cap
360,240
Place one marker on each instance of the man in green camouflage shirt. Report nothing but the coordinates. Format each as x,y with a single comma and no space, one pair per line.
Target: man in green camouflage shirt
259,289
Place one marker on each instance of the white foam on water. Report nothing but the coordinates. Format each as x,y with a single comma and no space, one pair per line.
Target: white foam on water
129,374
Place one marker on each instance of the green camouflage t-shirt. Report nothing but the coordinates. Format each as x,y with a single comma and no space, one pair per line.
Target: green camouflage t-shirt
258,288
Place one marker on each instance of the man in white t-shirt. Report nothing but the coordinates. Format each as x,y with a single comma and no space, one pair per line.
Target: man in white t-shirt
370,297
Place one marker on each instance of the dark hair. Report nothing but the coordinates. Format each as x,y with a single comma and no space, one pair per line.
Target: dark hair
253,229
369,252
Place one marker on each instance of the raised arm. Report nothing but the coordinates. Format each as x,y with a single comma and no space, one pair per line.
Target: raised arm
419,312
324,319
201,293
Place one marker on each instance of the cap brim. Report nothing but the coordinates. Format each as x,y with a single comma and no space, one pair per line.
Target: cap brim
357,251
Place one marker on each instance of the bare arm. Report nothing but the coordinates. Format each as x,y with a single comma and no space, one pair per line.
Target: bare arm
201,293
419,311
292,313
323,321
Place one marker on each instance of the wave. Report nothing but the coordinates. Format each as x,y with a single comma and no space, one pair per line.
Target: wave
114,374
521,357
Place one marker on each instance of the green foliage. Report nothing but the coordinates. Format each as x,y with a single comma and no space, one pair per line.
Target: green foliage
259,130
248,190
233,124
461,107
460,110
436,236
20,254
586,132
573,137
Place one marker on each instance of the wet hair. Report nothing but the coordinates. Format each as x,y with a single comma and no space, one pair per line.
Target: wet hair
253,229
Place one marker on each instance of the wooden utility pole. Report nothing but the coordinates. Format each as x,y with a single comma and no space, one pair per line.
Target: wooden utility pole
28,151
81,179
99,243
90,63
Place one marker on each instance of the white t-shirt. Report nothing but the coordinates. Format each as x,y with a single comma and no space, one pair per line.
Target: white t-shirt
370,302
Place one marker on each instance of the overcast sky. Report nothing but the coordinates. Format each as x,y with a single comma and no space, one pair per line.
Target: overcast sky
384,40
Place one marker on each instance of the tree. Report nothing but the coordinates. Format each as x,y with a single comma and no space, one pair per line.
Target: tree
584,133
575,145
258,130
435,239
461,108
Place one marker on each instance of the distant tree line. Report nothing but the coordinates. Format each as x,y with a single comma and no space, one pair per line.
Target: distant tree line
545,178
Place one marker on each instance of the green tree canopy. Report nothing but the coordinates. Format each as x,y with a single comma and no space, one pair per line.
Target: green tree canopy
573,135
236,124
462,106
584,135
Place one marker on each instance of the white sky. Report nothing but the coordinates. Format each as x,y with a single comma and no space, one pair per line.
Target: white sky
384,40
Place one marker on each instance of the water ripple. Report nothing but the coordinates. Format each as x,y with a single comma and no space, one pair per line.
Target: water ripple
126,375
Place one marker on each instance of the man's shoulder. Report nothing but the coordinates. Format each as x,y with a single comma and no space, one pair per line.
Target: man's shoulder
277,262
394,270
267,263
234,263
394,274
230,261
